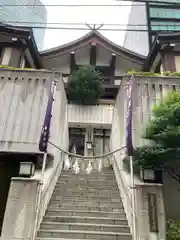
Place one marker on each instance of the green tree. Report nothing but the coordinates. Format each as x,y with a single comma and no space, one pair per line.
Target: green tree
85,86
173,230
163,131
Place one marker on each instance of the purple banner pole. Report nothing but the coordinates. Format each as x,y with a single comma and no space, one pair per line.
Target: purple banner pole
129,143
43,142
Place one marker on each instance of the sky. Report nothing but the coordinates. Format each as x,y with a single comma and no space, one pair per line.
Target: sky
90,15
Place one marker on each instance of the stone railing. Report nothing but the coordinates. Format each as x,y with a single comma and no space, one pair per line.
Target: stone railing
100,114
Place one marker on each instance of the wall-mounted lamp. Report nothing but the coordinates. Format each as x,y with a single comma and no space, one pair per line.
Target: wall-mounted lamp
147,175
27,169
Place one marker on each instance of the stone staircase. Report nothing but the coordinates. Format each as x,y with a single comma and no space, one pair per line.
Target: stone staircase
85,207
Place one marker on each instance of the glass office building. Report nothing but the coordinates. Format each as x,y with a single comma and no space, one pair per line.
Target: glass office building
155,17
25,13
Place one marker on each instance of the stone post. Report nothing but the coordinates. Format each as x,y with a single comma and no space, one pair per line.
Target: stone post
150,212
20,211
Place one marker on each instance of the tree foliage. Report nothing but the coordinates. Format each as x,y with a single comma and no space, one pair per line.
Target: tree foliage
163,131
173,230
85,86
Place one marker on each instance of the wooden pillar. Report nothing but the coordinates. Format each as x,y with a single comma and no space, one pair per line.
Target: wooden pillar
72,62
93,54
168,61
112,65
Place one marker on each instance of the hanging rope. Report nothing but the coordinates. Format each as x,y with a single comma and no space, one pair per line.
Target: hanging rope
87,157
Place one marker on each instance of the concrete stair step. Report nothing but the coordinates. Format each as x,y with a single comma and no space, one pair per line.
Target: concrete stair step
45,238
87,187
87,182
65,192
88,200
84,219
84,227
102,193
90,176
85,213
87,178
87,203
87,195
89,190
92,181
77,234
85,208
83,174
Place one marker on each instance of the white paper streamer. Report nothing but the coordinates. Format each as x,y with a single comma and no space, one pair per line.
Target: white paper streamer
67,164
100,165
89,168
76,167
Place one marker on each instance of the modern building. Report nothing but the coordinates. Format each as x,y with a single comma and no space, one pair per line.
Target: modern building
150,18
29,13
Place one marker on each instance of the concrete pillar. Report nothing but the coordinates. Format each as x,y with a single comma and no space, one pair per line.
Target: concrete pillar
150,212
20,209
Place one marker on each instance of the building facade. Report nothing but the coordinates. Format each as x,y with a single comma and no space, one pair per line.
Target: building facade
29,13
24,91
150,18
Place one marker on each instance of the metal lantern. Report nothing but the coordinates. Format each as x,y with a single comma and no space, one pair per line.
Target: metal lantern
27,169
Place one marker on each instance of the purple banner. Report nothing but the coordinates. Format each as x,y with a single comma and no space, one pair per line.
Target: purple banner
43,142
129,143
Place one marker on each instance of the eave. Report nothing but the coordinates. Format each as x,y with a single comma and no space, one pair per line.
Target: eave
160,41
93,36
25,36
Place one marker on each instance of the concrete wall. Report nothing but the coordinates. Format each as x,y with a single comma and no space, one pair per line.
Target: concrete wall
23,101
93,115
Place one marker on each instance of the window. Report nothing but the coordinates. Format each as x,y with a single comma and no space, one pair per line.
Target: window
165,26
168,1
164,13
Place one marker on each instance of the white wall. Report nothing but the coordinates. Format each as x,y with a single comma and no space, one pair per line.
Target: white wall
23,102
94,115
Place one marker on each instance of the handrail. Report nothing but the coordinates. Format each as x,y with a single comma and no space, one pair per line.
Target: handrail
44,193
123,180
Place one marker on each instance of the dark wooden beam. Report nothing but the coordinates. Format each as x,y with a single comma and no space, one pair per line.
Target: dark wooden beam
13,44
112,65
72,62
93,54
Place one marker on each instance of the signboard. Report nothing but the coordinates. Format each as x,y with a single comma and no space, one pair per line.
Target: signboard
153,214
